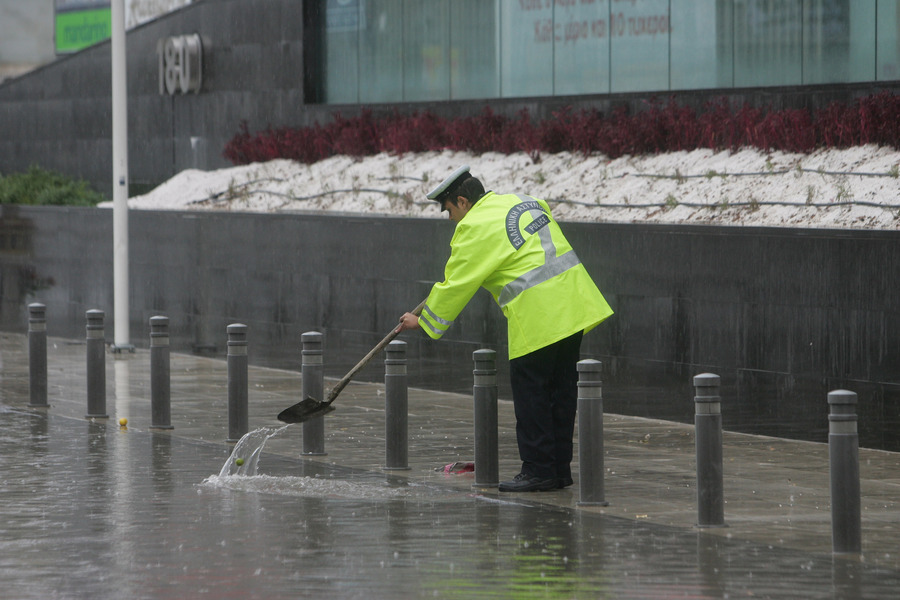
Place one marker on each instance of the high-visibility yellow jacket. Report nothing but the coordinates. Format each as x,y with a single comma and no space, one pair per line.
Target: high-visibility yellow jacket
510,245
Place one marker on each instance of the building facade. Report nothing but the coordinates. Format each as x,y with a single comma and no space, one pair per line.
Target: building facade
26,36
197,73
377,51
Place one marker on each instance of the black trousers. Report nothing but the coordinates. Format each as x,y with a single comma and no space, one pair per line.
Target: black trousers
545,396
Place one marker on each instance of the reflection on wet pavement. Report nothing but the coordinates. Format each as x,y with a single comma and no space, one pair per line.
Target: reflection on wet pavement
94,510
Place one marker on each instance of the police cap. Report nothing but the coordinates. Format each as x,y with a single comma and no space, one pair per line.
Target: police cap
448,185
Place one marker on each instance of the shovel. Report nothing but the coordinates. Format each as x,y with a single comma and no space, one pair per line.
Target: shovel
310,408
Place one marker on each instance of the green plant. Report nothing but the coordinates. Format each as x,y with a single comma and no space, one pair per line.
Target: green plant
843,192
42,187
236,191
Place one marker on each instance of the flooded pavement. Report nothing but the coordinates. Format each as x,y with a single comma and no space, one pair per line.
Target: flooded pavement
93,510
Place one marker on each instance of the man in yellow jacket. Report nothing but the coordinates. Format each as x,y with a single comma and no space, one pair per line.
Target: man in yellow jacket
510,245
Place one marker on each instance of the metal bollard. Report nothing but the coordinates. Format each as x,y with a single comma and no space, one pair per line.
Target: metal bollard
843,458
37,354
160,390
238,385
396,408
312,372
708,443
590,433
96,366
485,393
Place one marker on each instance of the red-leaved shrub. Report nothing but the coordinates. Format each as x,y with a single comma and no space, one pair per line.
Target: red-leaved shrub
656,128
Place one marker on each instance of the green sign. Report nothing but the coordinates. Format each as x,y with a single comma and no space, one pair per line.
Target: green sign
79,29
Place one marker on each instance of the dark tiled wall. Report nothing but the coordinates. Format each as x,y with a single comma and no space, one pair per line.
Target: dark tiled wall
782,315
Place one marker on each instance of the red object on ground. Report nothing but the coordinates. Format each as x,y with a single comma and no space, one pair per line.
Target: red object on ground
458,467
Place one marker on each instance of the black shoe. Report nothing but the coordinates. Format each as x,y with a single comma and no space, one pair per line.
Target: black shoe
565,482
529,483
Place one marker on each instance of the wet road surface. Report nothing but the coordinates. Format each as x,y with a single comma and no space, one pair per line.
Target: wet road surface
93,510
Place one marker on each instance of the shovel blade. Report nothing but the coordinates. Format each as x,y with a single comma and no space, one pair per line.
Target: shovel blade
306,409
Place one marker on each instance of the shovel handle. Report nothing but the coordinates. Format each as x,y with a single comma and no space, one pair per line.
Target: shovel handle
365,360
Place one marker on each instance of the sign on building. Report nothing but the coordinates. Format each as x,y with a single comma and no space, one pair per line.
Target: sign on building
180,64
81,23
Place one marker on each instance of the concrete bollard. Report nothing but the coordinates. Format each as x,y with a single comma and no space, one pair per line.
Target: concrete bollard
843,457
96,366
396,408
238,384
37,355
484,394
160,381
312,372
708,443
590,433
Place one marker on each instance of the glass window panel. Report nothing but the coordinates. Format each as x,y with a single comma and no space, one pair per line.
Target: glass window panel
888,34
639,41
526,48
702,45
426,52
423,50
831,51
768,39
473,49
341,68
381,51
863,19
581,51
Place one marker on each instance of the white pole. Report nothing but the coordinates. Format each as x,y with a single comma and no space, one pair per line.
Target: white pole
120,175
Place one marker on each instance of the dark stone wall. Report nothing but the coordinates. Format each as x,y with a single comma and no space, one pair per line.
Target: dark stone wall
782,315
260,65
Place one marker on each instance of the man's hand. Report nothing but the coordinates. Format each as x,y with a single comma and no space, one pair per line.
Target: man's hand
408,321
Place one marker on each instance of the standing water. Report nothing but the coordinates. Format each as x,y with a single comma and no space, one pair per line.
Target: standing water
93,511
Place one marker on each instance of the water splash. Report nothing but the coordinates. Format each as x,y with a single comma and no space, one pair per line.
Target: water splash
247,451
314,487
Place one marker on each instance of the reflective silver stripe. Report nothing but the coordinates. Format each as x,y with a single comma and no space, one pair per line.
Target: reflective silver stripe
548,270
553,264
432,328
436,318
437,321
